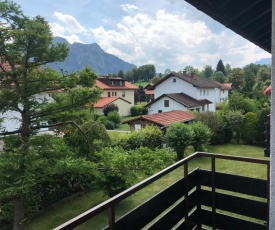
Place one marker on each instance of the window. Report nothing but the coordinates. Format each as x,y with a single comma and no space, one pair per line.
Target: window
203,108
137,126
112,83
113,93
166,103
200,92
109,94
198,109
207,92
120,83
159,111
123,93
204,92
174,80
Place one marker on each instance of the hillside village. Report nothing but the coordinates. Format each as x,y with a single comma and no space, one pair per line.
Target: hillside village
182,129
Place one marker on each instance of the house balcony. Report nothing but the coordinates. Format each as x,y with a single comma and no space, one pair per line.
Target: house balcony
201,198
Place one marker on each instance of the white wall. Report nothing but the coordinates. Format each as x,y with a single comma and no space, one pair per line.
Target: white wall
180,86
129,94
159,105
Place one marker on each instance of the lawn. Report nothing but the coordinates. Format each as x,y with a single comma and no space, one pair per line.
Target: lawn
59,214
144,83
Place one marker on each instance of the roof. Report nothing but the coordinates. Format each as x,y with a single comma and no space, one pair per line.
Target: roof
127,86
223,86
149,92
268,90
103,101
250,19
183,99
166,118
192,78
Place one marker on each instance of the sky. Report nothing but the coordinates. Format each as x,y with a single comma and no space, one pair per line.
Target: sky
170,34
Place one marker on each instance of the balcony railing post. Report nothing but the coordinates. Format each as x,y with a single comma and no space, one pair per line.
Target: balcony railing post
186,193
111,218
213,171
268,194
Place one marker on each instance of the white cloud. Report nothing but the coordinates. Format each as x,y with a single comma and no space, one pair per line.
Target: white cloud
67,27
174,41
128,7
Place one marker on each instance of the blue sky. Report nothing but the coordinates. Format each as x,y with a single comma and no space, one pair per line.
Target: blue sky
167,33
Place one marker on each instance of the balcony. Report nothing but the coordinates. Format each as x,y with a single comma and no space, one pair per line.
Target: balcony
199,199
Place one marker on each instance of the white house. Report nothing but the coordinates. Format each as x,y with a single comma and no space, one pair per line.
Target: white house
186,92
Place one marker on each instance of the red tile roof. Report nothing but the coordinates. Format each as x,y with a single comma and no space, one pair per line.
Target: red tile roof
127,86
149,92
103,101
268,90
166,118
223,86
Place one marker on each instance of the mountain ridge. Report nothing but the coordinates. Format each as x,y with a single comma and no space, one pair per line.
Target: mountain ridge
91,55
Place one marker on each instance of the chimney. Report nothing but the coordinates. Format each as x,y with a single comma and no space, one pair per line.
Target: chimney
193,76
184,72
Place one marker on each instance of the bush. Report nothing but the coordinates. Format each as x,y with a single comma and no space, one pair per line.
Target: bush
150,136
144,111
249,128
102,119
220,129
109,125
201,137
261,127
135,110
114,117
110,108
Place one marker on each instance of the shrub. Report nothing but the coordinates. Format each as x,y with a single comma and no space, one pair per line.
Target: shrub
102,119
201,137
109,125
249,128
144,111
110,108
114,117
150,136
135,110
179,136
261,128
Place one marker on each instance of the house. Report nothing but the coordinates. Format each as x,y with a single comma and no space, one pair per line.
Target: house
117,88
178,88
150,94
122,104
177,101
222,94
163,120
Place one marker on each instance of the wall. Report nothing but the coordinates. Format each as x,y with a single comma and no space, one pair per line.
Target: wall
129,94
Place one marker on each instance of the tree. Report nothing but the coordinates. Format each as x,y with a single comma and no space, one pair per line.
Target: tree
146,72
207,71
220,67
155,80
120,74
129,76
235,120
202,135
236,77
114,117
219,77
227,69
110,108
249,128
166,72
141,92
179,136
25,45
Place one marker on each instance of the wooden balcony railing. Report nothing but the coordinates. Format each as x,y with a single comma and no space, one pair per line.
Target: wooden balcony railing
199,199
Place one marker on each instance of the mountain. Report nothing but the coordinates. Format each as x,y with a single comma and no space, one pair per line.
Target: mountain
264,61
91,55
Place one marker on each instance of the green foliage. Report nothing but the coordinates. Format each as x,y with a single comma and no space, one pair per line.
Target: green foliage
150,136
144,111
102,119
119,167
110,108
155,79
110,125
179,136
220,67
114,117
201,137
263,117
236,77
219,77
249,128
238,102
52,173
235,121
220,130
207,71
135,110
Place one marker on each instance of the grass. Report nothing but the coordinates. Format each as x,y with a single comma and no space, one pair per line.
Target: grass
144,83
60,214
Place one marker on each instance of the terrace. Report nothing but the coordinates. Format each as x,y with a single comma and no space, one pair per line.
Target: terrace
199,199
